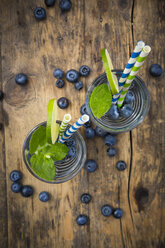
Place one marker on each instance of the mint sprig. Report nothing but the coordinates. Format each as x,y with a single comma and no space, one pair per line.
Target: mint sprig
38,139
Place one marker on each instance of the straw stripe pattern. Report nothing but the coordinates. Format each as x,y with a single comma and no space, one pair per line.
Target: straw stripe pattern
64,124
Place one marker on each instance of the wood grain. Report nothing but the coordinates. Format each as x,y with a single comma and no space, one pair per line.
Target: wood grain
69,40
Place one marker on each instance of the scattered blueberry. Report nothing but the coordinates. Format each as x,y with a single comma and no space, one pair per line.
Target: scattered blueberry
121,165
71,152
118,213
1,126
44,196
58,73
70,142
63,102
88,124
111,151
156,70
40,13
15,175
89,132
65,5
16,187
85,198
50,3
100,132
60,83
129,97
90,165
83,109
78,85
21,79
82,219
84,70
1,95
106,210
26,190
110,140
72,76
113,112
126,110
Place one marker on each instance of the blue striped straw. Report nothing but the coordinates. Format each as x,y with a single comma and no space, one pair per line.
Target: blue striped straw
68,133
128,68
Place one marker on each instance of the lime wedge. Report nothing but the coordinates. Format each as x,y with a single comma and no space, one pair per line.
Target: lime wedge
112,79
52,128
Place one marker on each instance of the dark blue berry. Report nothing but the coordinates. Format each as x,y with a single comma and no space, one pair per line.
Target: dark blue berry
40,13
100,132
1,95
63,102
78,85
126,110
88,124
26,190
90,165
16,187
50,3
89,132
44,196
15,176
84,70
113,112
21,79
72,76
60,83
118,213
1,126
58,73
121,165
71,152
85,198
111,151
106,210
110,140
83,109
70,142
65,5
82,219
156,70
129,97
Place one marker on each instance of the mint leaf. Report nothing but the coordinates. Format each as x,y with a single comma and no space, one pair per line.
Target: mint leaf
42,166
56,151
38,139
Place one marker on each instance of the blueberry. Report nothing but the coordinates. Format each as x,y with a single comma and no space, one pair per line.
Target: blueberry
65,5
72,76
84,70
40,13
1,126
156,70
78,85
15,175
90,165
71,152
82,219
113,112
85,198
83,109
118,213
111,151
100,132
110,140
1,95
89,132
26,190
63,102
106,210
71,142
44,196
126,110
16,187
58,73
21,79
50,3
60,83
121,165
88,124
129,97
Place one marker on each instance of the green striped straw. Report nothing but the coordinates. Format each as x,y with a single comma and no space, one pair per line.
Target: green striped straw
65,122
139,62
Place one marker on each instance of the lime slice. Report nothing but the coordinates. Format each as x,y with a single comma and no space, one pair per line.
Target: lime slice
52,128
112,79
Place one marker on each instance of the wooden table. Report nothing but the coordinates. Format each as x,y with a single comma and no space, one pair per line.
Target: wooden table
69,40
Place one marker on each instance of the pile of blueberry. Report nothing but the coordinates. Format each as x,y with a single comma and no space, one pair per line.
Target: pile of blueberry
71,144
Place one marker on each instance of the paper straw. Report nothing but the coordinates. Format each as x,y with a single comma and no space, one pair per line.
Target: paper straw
128,68
65,122
83,119
139,62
